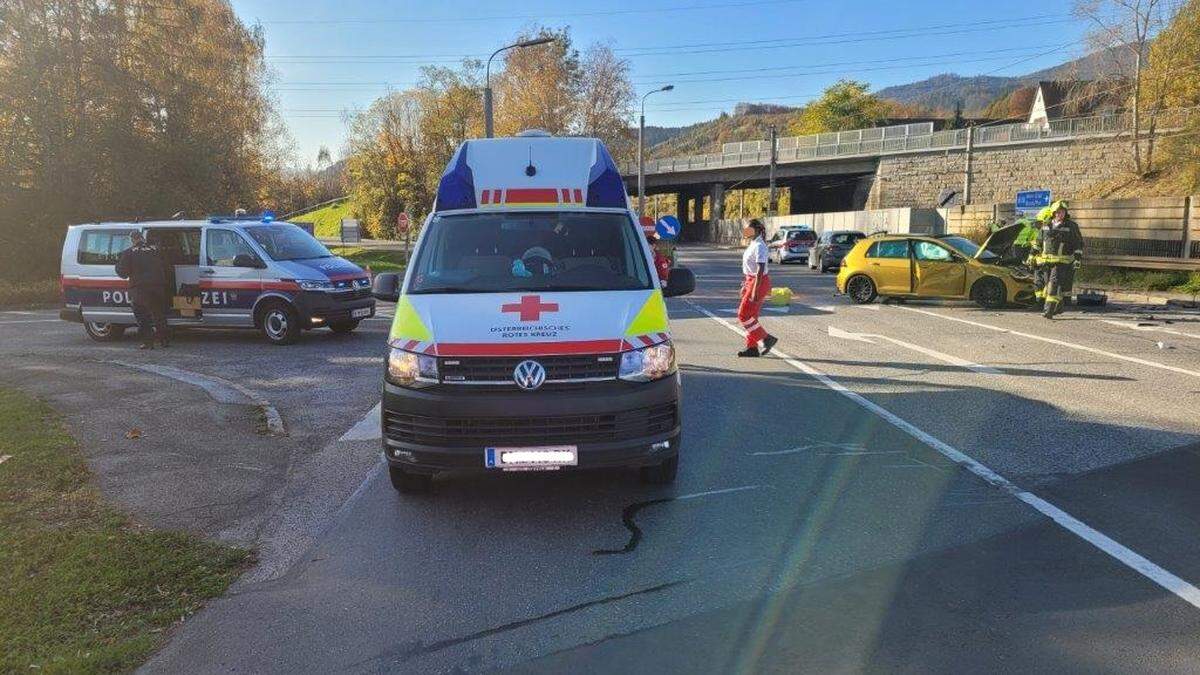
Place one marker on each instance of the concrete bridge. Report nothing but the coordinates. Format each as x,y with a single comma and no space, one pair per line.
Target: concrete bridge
903,166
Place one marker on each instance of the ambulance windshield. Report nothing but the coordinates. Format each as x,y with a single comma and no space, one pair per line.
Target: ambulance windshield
551,251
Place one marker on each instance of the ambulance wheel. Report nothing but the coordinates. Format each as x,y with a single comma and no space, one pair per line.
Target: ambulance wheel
103,332
279,323
661,474
343,327
861,289
407,482
989,292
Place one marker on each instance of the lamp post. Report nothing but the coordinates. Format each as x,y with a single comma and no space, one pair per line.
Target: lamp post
641,150
487,89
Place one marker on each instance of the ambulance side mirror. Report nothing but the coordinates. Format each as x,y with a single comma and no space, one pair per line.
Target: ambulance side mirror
386,287
681,281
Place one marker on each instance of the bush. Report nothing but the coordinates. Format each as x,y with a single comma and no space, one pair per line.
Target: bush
28,293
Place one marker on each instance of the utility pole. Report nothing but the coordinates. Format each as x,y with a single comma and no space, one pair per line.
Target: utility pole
967,166
641,183
771,205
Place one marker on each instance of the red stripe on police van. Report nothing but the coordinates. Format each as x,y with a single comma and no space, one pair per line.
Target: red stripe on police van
531,196
230,285
83,282
529,348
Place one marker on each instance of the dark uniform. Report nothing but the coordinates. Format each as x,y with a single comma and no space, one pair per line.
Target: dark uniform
143,267
1057,252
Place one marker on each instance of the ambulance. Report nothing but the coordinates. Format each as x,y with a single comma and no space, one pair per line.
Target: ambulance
530,330
223,272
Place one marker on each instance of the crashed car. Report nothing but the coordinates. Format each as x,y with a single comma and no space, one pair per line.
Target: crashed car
938,266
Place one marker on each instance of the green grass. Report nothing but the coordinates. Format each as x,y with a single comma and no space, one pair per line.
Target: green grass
327,220
1140,280
379,260
28,293
85,588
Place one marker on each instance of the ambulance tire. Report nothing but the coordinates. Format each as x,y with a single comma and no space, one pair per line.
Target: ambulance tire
103,332
409,483
279,322
661,474
343,327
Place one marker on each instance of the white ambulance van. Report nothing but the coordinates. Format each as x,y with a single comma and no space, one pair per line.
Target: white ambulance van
224,272
530,329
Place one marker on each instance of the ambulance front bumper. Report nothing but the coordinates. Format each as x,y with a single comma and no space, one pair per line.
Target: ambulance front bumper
610,424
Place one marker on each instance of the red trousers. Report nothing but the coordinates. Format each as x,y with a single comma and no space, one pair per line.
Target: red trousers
750,307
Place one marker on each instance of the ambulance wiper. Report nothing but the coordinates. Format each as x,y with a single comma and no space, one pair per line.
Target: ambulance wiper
447,289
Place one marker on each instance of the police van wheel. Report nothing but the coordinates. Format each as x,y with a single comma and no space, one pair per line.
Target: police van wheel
103,332
343,327
407,482
661,474
280,324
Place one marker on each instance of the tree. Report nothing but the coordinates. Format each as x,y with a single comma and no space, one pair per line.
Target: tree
540,86
1127,25
606,101
845,105
1172,80
384,168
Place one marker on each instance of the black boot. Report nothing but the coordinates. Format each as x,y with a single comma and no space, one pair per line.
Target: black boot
749,352
768,343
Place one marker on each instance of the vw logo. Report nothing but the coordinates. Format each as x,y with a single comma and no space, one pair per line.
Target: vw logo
529,375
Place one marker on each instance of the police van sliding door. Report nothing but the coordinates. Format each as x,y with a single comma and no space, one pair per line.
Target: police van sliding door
230,278
180,251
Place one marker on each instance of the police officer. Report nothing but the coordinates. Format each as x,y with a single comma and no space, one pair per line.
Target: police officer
1058,252
142,265
756,286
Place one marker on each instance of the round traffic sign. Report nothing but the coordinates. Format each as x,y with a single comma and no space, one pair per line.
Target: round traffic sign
402,222
668,228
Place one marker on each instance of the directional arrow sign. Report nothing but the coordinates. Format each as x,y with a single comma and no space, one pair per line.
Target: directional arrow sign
870,338
668,228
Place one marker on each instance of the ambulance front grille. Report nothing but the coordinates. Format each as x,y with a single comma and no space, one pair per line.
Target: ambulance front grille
499,370
448,432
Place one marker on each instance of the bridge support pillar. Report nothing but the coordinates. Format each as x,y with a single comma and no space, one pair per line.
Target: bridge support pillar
698,208
716,208
681,207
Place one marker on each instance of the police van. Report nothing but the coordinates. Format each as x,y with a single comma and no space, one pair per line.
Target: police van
222,273
530,330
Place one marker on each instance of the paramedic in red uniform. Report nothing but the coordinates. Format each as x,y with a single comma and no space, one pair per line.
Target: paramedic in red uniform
662,263
755,288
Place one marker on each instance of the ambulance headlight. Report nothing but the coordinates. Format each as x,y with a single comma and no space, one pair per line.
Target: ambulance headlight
315,284
649,363
411,370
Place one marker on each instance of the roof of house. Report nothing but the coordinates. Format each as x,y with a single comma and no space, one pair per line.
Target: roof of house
1075,98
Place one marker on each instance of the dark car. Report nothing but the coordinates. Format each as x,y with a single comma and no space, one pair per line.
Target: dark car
831,247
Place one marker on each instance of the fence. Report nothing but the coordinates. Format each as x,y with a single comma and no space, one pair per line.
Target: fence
905,138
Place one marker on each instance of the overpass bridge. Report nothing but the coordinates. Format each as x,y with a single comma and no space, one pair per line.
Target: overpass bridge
902,166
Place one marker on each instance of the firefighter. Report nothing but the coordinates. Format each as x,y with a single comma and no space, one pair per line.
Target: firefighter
1023,244
1058,252
756,286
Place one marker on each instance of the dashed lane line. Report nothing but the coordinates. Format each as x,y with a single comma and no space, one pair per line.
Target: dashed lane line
870,338
1126,556
368,428
1060,343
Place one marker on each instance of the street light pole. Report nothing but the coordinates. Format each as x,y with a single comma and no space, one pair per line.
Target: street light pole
487,88
642,150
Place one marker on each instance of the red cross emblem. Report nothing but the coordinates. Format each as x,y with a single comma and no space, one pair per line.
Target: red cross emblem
530,307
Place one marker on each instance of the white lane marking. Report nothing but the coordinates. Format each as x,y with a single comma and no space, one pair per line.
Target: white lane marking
709,493
2,323
1126,556
366,429
218,388
1061,343
813,446
356,360
869,338
1132,325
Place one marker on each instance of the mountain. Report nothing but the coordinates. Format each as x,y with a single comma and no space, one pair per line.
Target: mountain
706,137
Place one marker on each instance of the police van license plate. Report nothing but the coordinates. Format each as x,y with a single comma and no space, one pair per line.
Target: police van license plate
360,313
540,458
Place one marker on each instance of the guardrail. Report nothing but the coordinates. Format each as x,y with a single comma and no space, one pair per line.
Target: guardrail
904,138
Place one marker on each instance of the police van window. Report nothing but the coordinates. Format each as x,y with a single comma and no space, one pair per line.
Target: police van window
927,250
504,252
895,248
284,241
224,246
102,247
176,245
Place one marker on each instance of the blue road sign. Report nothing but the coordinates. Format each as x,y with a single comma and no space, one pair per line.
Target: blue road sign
1032,200
668,228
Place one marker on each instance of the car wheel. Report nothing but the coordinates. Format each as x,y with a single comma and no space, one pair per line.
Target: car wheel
861,289
280,323
407,482
103,332
343,327
989,292
661,474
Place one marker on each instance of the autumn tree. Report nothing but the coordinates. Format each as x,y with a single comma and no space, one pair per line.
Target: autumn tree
606,101
844,105
1172,80
539,87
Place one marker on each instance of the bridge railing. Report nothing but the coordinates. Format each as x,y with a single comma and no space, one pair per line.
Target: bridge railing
906,138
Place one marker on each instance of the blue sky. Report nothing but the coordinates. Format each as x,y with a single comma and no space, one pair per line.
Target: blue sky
331,56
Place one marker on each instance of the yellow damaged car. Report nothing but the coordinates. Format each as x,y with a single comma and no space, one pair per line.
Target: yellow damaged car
938,266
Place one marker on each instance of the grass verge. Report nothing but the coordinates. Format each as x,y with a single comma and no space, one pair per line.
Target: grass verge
85,588
379,260
28,293
1140,280
327,220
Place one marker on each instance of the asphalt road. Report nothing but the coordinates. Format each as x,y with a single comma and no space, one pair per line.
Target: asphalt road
919,487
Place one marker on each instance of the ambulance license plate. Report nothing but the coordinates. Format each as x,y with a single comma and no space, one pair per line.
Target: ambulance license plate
538,458
360,313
